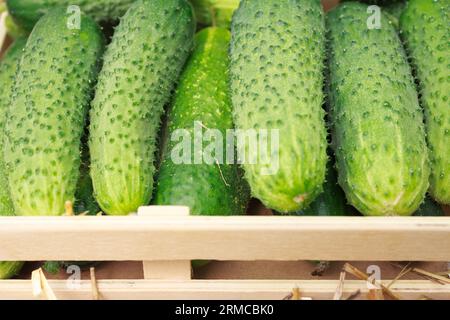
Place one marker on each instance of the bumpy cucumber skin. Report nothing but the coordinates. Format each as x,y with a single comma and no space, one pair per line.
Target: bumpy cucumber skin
8,69
277,52
27,12
202,95
379,136
425,27
49,102
141,67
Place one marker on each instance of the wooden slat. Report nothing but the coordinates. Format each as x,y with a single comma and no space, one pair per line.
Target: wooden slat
225,238
219,289
2,31
168,270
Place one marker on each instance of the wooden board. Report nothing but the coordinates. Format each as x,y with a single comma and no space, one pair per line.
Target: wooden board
219,289
225,238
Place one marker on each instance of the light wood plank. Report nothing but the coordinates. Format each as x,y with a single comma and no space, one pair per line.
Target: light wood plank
168,270
2,30
220,289
225,238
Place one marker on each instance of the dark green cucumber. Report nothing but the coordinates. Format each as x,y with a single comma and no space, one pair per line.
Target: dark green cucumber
378,131
141,67
8,69
277,61
202,96
425,27
430,208
27,12
48,106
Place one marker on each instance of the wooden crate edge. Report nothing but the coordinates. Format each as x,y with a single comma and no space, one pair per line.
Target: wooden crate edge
218,289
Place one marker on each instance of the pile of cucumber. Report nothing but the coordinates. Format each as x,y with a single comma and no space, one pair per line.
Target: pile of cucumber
362,114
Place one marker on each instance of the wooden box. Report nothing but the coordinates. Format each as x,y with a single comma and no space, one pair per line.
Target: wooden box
166,239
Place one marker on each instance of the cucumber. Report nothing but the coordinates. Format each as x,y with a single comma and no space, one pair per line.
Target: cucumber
425,27
141,67
10,269
8,69
430,208
27,12
49,102
378,131
215,12
277,61
202,96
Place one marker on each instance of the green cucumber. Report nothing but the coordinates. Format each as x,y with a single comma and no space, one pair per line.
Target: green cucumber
202,96
10,269
26,13
430,208
378,131
8,69
425,27
277,61
141,67
48,106
215,12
